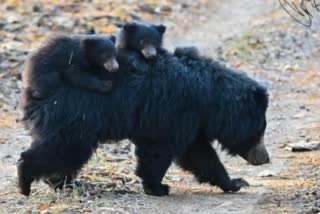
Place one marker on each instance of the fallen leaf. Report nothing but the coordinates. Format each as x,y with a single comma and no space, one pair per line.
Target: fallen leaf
107,29
43,207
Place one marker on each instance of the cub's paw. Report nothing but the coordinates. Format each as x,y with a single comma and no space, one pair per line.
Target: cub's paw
105,86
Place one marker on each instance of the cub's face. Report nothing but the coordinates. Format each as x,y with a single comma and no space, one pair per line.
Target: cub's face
100,51
145,39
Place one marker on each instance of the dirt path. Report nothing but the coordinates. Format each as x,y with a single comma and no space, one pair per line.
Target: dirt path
248,35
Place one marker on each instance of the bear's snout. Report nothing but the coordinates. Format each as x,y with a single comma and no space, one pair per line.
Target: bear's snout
258,155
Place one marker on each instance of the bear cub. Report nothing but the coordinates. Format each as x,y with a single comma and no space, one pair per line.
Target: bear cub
138,42
79,60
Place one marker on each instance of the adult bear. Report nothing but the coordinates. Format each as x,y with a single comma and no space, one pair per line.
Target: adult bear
170,112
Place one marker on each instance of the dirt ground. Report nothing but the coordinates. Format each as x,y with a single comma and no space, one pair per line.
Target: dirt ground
257,37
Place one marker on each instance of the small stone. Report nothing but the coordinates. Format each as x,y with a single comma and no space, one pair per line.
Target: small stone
20,202
134,16
302,134
302,107
303,146
166,8
10,8
36,8
147,8
267,173
184,5
299,115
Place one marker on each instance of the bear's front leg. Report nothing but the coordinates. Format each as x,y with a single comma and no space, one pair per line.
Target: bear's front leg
153,161
24,171
60,181
202,160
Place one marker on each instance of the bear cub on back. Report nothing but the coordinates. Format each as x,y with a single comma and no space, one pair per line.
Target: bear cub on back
78,60
138,42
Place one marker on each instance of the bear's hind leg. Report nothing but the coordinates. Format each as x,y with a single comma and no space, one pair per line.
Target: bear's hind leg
46,160
202,160
32,165
70,163
154,160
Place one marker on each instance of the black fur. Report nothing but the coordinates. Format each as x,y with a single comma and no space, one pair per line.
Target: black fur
172,112
190,52
141,39
74,59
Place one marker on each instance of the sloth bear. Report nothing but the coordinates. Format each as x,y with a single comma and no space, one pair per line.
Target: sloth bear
76,59
171,113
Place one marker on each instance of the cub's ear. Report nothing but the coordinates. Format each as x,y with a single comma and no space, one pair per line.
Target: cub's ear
88,41
130,27
160,28
113,39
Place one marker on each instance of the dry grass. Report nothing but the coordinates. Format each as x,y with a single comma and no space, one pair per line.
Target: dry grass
8,120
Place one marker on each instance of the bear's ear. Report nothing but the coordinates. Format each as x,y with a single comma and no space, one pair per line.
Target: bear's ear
160,28
130,27
113,39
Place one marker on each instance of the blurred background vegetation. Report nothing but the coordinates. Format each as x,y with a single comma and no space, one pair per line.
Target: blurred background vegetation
255,36
25,23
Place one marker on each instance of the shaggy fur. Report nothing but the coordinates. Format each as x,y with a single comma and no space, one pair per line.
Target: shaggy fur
172,112
77,60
